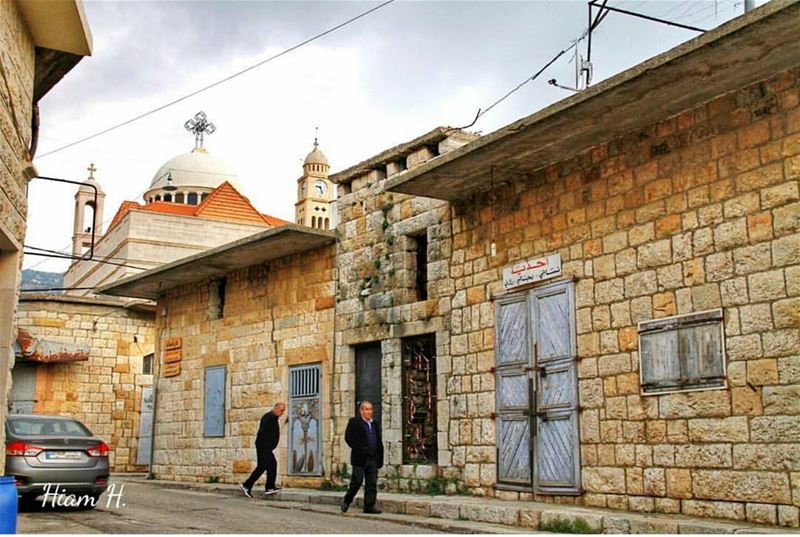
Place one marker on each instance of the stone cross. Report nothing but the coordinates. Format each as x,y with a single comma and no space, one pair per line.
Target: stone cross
91,169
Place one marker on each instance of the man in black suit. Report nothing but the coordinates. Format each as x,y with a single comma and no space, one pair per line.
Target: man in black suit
366,456
269,433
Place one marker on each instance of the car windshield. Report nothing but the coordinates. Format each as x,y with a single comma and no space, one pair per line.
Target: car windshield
46,427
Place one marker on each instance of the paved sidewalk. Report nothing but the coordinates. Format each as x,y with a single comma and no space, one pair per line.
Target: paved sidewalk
466,514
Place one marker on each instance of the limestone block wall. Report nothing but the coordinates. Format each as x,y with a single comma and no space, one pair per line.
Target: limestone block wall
16,94
275,316
104,392
377,301
699,211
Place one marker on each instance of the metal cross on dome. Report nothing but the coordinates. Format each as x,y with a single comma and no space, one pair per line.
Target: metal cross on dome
199,125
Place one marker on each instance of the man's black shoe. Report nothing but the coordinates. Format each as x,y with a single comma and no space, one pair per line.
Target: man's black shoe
372,511
344,506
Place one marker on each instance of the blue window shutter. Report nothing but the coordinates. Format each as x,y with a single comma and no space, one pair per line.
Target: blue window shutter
214,402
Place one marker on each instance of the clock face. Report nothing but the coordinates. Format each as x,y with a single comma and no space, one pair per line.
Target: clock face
320,187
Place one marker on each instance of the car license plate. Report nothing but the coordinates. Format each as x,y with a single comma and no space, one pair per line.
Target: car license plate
62,455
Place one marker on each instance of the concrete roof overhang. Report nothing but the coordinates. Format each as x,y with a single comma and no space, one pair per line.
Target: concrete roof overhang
58,25
256,249
62,38
743,51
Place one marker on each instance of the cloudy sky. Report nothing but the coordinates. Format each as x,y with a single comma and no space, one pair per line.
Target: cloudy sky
382,80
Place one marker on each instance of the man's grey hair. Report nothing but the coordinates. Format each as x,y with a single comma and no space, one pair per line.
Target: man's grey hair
279,404
364,402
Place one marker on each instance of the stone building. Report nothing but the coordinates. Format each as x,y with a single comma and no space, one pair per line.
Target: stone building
393,322
241,327
40,44
90,358
622,285
595,305
70,344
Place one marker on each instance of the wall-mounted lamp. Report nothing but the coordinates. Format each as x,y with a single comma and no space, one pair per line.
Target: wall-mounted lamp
170,186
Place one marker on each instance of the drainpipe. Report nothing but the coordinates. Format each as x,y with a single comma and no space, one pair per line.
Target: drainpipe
157,368
749,5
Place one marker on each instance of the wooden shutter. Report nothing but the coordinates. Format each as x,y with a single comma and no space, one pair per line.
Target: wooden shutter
557,461
513,391
214,402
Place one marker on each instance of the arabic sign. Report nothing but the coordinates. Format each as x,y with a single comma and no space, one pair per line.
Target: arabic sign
173,343
532,271
173,356
172,370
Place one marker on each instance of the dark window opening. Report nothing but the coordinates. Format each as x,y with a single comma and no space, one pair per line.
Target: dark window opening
422,266
168,197
203,196
147,365
179,198
192,198
216,299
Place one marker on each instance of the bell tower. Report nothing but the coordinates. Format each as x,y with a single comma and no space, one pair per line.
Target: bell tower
315,192
87,214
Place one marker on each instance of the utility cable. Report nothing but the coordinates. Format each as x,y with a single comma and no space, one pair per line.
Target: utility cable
218,82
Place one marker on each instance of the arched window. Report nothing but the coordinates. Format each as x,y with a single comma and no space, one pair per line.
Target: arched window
168,197
158,197
327,223
313,221
203,197
191,199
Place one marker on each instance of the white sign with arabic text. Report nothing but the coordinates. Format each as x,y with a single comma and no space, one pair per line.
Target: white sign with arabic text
534,270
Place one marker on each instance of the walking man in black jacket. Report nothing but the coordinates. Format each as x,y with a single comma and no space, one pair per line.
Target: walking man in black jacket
366,456
269,432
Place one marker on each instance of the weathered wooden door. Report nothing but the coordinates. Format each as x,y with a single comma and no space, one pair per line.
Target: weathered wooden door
368,377
305,424
556,460
513,391
536,390
23,388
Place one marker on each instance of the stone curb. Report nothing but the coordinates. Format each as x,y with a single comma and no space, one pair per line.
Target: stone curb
523,515
290,502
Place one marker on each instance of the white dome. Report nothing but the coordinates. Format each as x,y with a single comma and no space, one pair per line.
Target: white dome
196,169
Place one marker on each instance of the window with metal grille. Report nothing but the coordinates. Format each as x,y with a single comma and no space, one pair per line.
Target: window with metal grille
684,352
304,381
419,400
147,365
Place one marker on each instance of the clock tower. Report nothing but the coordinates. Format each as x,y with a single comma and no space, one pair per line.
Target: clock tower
314,207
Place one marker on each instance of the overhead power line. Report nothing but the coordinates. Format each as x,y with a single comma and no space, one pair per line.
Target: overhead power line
219,82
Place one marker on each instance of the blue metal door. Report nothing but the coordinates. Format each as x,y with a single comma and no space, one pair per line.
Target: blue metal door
214,402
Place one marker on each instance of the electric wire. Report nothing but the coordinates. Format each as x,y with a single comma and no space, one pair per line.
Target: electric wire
219,82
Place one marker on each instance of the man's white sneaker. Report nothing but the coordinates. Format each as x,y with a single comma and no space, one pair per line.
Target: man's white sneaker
245,491
270,492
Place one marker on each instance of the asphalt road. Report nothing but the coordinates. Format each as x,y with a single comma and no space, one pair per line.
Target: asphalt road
147,509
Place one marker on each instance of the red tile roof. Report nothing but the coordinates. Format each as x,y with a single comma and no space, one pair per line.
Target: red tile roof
224,203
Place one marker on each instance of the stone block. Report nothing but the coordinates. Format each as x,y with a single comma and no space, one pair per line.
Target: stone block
779,195
653,525
786,251
734,292
731,234
765,487
554,515
786,313
760,513
761,372
734,429
788,516
530,518
655,254
418,508
448,510
755,318
601,479
766,429
714,509
766,286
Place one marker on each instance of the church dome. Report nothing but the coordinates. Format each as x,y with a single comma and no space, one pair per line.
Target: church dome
197,169
316,157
